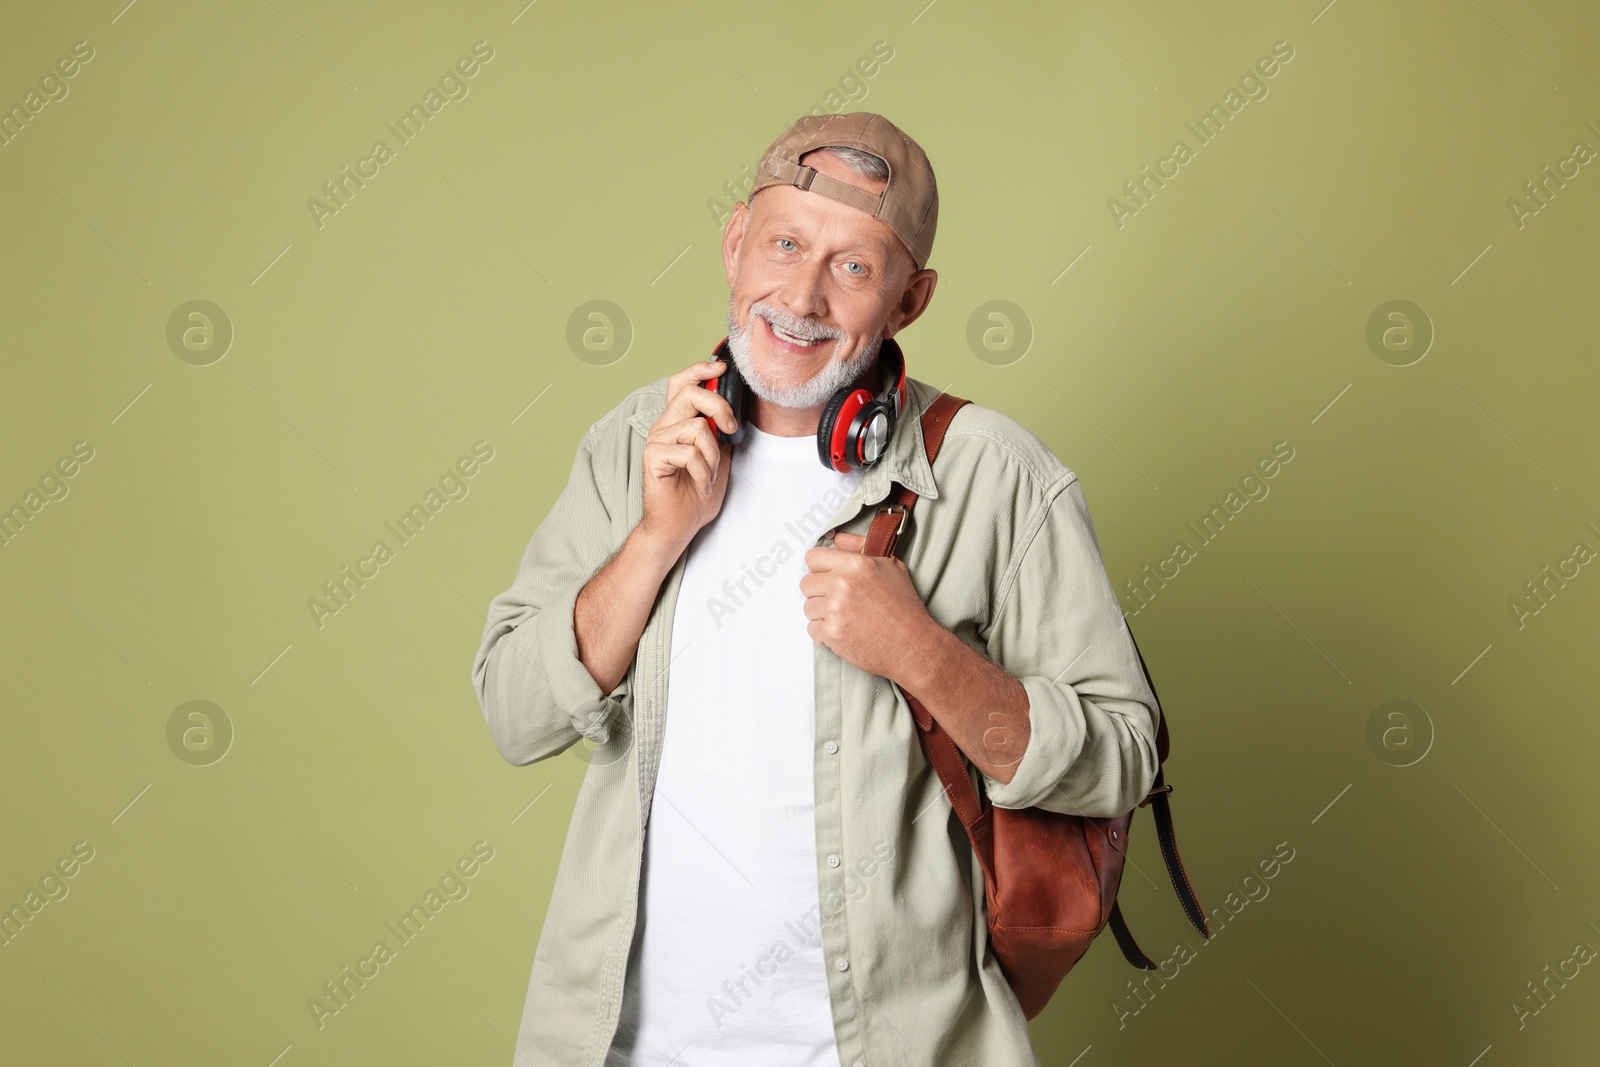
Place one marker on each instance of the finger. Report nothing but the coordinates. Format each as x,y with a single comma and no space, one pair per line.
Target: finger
695,463
685,457
849,542
692,375
690,380
696,432
695,399
823,558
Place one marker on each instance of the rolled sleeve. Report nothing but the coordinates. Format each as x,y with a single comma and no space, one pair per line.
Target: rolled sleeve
537,696
1059,629
571,684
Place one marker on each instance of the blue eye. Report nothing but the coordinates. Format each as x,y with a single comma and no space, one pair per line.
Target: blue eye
785,241
859,268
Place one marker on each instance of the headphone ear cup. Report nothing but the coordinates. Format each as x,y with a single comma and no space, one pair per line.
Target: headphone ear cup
861,440
825,424
733,391
729,385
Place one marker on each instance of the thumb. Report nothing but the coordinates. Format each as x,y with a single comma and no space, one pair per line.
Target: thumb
849,542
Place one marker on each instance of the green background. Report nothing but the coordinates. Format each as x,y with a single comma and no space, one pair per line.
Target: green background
370,353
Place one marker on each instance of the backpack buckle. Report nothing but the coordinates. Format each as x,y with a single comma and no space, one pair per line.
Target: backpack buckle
889,509
1155,793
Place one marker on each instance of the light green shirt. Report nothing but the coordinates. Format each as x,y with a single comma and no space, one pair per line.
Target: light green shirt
1002,551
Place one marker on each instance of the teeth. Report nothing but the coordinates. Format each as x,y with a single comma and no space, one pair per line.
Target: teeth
791,338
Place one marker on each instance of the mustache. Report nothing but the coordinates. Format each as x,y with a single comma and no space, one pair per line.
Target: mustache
811,331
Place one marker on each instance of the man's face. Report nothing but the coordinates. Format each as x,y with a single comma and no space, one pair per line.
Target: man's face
815,287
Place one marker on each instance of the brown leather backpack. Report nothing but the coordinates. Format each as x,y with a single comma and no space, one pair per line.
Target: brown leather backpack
1050,880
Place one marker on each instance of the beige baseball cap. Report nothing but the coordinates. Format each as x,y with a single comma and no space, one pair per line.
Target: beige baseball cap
909,204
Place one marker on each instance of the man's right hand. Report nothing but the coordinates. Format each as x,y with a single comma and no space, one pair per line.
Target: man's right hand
685,471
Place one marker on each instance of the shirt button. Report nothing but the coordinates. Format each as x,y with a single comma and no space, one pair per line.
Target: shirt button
841,964
832,747
833,860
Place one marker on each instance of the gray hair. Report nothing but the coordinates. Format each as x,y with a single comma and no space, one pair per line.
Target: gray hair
870,166
863,163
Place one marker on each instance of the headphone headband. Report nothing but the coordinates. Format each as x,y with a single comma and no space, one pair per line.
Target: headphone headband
894,389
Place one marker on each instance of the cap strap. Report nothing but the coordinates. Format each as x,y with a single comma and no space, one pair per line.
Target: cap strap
803,177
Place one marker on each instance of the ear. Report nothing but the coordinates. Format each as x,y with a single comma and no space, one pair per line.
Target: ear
913,301
733,240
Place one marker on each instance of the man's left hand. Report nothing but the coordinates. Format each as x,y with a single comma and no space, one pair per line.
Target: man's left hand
864,608
867,611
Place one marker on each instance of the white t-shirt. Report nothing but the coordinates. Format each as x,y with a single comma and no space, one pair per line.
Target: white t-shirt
726,968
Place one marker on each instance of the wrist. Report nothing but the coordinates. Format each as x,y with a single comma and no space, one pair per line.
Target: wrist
653,550
922,671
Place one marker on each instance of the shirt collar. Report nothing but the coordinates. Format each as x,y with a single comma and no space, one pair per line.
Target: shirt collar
906,460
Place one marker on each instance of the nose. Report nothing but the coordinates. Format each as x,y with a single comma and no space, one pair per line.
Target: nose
803,295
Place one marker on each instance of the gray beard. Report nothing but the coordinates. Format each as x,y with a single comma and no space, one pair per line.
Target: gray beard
815,391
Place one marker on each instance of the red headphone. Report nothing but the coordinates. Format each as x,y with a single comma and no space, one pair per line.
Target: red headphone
854,430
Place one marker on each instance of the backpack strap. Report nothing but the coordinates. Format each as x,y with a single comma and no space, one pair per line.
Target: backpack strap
890,521
970,804
1162,810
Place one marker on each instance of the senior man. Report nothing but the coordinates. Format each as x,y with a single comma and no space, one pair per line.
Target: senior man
761,867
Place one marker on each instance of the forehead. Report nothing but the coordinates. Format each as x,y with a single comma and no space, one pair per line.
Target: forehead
821,219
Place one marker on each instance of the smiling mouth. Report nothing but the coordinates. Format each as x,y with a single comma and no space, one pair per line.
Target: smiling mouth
789,339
